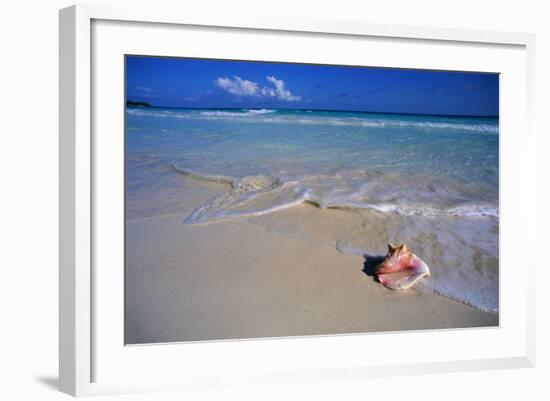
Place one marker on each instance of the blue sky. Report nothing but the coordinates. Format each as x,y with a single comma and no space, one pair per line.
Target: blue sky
180,82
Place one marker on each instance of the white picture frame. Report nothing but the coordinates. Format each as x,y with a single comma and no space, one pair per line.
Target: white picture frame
80,349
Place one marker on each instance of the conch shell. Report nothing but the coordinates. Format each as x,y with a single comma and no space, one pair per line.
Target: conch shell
401,268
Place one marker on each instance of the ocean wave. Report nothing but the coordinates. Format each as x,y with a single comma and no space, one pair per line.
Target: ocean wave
272,116
483,128
260,194
236,113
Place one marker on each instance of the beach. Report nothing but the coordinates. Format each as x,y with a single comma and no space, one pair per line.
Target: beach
237,279
267,223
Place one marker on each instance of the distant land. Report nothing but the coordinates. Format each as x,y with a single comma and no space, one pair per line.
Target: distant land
134,103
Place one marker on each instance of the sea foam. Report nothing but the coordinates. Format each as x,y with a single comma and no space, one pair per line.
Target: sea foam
260,194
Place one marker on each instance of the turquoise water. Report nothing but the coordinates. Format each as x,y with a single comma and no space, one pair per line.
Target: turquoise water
417,167
402,163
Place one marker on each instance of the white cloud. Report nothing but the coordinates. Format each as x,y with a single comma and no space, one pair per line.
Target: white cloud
237,86
242,87
279,91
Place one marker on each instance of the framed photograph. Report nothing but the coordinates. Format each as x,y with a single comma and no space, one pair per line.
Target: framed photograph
267,200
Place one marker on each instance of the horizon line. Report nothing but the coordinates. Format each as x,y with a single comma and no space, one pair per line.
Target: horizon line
309,109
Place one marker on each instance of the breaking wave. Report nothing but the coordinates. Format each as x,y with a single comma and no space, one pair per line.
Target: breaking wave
236,113
275,116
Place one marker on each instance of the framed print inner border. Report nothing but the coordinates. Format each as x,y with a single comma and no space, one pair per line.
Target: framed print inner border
81,347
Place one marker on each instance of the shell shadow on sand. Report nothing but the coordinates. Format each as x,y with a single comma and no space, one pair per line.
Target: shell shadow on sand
370,263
